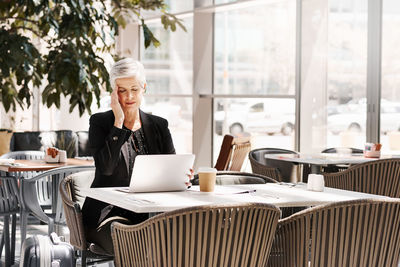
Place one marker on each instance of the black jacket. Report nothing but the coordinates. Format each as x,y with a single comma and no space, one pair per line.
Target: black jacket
109,148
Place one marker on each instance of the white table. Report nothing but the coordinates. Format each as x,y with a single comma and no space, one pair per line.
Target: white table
324,159
281,195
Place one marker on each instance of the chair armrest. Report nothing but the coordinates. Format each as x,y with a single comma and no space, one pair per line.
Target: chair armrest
29,192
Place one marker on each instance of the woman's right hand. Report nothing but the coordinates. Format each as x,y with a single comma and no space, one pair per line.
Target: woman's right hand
117,109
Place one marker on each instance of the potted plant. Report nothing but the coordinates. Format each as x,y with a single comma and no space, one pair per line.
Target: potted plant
60,45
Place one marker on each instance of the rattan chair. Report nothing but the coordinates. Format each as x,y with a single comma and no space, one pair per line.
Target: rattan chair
379,177
199,236
73,200
352,233
233,152
341,167
231,178
277,169
9,206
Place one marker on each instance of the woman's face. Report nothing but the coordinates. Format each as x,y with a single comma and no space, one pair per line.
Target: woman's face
130,93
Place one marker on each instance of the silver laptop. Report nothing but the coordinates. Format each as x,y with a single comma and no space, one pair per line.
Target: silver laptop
152,173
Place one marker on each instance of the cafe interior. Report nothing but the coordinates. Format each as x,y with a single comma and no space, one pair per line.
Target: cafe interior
287,112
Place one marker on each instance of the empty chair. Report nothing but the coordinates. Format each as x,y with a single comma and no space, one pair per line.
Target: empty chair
28,155
232,153
43,186
277,169
380,177
44,199
341,167
352,233
30,196
9,206
338,149
230,178
199,236
73,200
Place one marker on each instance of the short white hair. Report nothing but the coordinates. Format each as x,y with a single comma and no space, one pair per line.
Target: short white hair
127,67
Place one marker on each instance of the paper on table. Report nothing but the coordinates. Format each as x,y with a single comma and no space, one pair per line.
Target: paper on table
6,161
85,158
226,190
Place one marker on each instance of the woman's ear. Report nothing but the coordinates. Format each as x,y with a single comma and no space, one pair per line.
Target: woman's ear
144,87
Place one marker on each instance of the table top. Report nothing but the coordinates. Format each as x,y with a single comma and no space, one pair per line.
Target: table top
40,165
281,195
325,158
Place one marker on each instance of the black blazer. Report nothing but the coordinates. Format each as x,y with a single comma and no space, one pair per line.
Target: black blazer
109,148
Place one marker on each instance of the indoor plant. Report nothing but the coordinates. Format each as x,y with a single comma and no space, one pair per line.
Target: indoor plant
59,45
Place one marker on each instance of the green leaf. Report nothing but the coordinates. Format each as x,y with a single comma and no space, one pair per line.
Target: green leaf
70,55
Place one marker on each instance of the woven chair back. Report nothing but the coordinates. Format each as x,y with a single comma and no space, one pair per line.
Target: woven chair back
353,233
200,236
380,177
72,202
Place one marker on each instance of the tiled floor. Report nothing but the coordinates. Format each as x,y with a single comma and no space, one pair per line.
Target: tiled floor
35,228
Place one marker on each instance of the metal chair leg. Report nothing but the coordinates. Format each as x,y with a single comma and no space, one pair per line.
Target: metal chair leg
2,243
23,225
83,258
7,240
13,236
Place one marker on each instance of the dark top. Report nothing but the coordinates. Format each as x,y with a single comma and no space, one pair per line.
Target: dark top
137,147
114,151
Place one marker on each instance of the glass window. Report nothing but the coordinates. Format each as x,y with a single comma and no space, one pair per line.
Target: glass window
390,96
334,64
254,54
269,121
169,66
178,112
179,6
255,49
224,1
172,6
169,72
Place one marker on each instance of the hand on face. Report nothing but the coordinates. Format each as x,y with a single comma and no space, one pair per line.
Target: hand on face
126,99
130,94
117,109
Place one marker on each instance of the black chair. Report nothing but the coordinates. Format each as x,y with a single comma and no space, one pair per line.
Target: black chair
230,178
341,167
279,170
337,149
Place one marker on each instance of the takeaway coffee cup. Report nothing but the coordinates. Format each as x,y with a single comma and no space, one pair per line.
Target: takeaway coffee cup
207,177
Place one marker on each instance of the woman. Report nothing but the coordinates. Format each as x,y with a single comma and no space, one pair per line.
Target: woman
116,137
